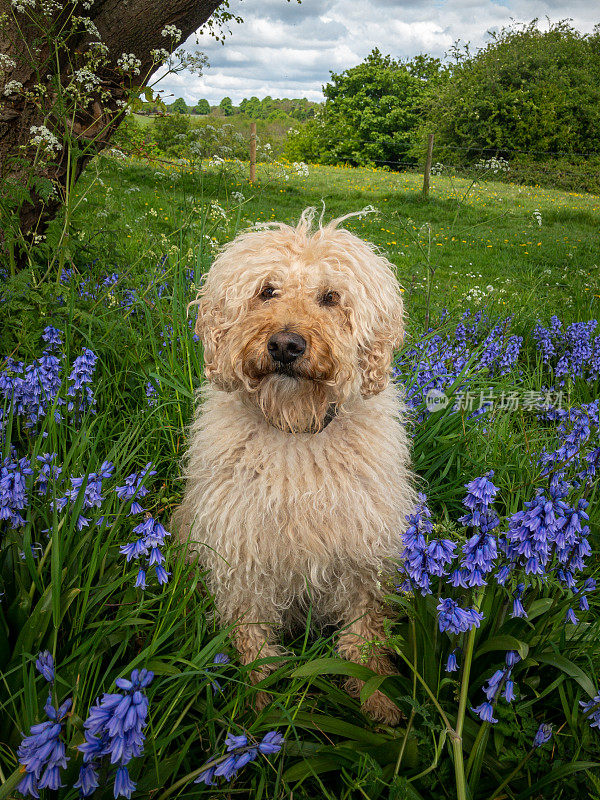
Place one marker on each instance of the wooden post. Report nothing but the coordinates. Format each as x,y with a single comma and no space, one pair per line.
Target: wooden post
252,152
428,166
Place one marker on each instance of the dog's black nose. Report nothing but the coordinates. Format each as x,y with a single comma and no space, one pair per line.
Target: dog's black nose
286,347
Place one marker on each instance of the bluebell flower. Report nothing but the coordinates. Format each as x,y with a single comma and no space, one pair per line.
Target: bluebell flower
271,743
221,659
454,619
151,538
115,728
543,735
591,710
49,471
80,379
45,665
493,684
14,497
422,558
124,786
52,336
509,691
485,712
512,658
42,753
239,753
452,664
571,617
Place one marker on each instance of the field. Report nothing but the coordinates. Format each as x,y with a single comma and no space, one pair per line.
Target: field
501,285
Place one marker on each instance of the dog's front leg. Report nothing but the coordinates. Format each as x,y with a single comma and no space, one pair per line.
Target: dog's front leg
253,637
361,641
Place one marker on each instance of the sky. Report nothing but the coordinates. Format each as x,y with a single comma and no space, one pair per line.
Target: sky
288,49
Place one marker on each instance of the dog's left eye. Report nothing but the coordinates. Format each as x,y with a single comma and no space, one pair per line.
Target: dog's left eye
329,299
267,293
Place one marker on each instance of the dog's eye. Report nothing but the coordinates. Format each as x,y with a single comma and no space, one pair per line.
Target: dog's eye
267,293
329,299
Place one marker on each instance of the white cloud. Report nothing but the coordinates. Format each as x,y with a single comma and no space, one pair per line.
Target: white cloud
288,49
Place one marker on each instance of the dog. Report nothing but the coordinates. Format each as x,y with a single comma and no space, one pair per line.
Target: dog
298,479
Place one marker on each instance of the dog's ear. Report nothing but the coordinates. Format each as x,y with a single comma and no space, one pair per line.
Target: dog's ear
210,327
375,355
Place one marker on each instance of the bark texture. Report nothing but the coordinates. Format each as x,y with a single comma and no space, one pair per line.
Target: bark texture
125,26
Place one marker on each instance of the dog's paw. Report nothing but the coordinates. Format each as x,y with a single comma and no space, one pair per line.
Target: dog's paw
380,708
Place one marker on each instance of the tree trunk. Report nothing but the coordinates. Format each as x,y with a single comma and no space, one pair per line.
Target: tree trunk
27,57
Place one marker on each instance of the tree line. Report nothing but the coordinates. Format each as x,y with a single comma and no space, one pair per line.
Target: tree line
527,94
268,108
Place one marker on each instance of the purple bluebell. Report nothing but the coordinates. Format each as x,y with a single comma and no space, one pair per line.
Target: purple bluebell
591,710
452,664
152,536
239,753
485,711
14,497
80,379
42,754
52,336
543,735
45,665
114,729
454,619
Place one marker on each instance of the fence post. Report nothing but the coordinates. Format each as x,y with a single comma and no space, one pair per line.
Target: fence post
428,166
252,152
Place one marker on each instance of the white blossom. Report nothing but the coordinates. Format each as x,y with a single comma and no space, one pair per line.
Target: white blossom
21,5
44,138
12,87
238,197
87,79
301,168
538,217
6,62
160,54
172,32
129,62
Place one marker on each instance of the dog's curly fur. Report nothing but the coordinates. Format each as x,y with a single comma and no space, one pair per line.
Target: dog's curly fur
282,505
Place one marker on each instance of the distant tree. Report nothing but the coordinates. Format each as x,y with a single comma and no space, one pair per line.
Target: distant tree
202,107
371,111
226,106
527,89
170,133
179,106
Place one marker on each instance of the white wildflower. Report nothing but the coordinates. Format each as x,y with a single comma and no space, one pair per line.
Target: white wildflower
21,5
238,197
160,54
44,138
6,62
12,87
129,62
87,79
301,168
538,217
172,32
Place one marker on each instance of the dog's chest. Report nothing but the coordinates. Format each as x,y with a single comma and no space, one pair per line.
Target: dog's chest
334,489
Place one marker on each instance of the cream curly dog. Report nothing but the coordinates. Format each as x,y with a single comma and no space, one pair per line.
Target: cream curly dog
298,477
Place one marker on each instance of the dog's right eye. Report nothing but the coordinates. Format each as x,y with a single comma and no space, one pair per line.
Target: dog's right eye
267,293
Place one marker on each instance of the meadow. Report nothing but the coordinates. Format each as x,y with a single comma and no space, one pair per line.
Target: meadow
495,627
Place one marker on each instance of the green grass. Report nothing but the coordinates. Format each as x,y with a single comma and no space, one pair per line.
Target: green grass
480,244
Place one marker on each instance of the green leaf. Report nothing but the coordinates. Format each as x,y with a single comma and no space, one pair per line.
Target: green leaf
372,685
571,669
503,642
555,776
332,666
